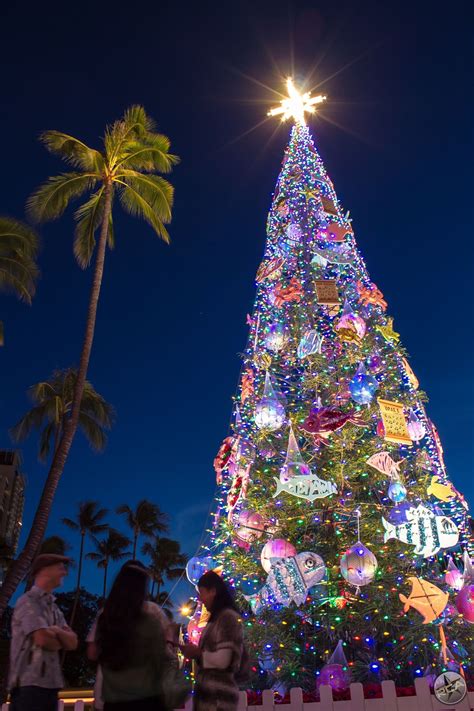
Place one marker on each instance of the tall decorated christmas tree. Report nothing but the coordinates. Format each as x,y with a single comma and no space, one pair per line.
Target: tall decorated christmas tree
335,520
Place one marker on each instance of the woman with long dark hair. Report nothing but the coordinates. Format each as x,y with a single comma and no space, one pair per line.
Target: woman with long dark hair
130,645
220,650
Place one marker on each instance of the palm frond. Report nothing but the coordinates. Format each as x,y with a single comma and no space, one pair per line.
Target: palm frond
149,197
72,150
88,216
18,237
94,433
19,246
149,154
32,420
45,441
70,524
50,200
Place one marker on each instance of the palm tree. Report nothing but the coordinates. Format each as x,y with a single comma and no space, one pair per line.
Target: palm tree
18,252
109,549
52,401
89,520
166,561
132,154
163,599
146,520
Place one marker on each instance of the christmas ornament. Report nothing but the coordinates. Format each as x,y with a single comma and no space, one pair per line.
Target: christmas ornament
221,461
328,206
284,293
289,580
294,465
270,268
371,295
396,492
383,463
453,576
450,688
416,428
282,209
335,673
352,321
276,337
322,421
246,385
309,487
310,343
443,492
374,362
249,526
269,412
410,374
358,565
336,254
336,233
327,292
362,386
196,567
276,548
427,531
262,360
465,602
394,422
293,235
319,261
387,331
347,335
425,598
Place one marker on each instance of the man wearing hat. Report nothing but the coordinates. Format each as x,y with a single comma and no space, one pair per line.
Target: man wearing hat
39,632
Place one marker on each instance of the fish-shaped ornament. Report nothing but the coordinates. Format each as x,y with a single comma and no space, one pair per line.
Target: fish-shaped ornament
310,343
443,492
289,580
338,254
425,598
387,331
309,487
427,531
270,268
383,463
323,421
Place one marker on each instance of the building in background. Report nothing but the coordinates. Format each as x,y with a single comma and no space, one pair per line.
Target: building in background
12,498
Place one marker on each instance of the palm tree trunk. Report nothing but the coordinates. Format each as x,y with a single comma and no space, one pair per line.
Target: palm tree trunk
152,591
135,540
21,565
105,580
78,585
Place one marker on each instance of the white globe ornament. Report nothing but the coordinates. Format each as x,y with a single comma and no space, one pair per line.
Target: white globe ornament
276,337
358,565
396,491
269,412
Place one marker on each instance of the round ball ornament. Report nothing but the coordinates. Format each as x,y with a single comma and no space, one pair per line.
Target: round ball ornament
358,565
336,676
374,363
276,548
250,526
269,414
196,567
276,337
465,602
396,492
363,387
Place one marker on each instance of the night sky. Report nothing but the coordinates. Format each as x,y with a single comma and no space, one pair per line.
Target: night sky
396,140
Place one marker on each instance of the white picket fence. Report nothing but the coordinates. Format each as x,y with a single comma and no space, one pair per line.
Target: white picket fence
424,700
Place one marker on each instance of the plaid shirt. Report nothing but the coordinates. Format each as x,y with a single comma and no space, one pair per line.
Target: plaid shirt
31,665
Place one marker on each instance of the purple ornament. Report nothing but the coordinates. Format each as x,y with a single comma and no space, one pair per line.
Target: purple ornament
334,675
398,514
465,602
374,362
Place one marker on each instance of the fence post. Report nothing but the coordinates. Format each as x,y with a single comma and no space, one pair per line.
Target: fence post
296,699
268,700
243,701
357,697
325,695
60,705
79,706
423,694
389,696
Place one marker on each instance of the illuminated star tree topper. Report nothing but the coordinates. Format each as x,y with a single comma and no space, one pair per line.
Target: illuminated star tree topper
296,105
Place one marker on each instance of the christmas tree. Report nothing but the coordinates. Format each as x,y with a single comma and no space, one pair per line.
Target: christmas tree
335,520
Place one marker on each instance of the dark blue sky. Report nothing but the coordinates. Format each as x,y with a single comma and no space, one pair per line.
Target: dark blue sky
172,319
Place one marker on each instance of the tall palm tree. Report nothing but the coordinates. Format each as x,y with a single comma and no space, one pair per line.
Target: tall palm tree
52,402
166,561
89,520
163,599
19,272
145,520
109,549
126,167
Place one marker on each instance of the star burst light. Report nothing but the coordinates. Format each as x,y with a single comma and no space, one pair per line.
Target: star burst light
296,105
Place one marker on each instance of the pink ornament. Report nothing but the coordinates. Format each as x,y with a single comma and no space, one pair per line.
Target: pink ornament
276,548
194,631
353,322
337,233
416,428
453,576
465,602
250,525
380,429
335,676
